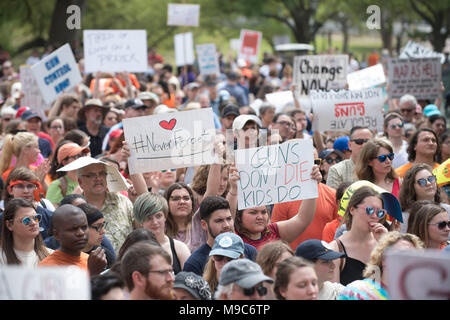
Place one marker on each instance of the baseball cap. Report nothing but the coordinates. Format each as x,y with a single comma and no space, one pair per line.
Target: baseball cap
341,143
326,152
134,103
228,244
162,108
230,109
317,249
431,110
193,85
69,150
240,121
29,114
245,273
194,284
146,95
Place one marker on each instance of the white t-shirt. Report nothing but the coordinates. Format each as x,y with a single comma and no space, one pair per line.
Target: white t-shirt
28,259
330,291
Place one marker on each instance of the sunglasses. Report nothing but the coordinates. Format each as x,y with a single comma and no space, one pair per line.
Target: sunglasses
396,125
171,170
383,157
262,291
99,227
379,212
359,141
331,160
27,220
441,225
423,182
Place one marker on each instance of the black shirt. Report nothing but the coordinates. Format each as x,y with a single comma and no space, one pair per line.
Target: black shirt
96,141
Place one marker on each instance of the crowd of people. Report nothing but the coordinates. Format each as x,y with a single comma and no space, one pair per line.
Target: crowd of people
178,233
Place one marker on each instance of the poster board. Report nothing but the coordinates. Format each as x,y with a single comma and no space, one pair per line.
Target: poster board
184,49
208,61
250,42
183,14
416,50
32,96
366,78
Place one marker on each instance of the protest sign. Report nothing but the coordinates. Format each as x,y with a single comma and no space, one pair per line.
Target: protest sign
183,14
418,275
320,72
184,49
250,42
366,78
345,109
56,73
114,180
281,99
32,96
170,140
208,61
44,283
275,173
415,50
115,50
418,77
235,44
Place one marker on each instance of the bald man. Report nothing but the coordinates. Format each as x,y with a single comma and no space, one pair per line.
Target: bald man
70,228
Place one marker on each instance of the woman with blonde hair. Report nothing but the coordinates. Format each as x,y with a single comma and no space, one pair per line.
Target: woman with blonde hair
374,286
375,165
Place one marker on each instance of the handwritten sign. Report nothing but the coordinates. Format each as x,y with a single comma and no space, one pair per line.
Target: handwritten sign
170,140
275,174
345,109
115,50
366,78
183,14
250,42
184,49
207,59
32,95
419,77
320,72
418,275
415,50
281,99
44,283
56,73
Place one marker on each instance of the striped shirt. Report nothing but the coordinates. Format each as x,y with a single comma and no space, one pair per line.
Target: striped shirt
266,237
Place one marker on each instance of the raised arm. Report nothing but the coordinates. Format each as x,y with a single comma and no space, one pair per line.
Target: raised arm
232,195
290,229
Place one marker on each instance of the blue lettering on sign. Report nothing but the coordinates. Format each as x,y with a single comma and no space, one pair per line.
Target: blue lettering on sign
62,85
52,62
57,74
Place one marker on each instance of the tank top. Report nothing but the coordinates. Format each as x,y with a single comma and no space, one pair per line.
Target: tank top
176,265
352,270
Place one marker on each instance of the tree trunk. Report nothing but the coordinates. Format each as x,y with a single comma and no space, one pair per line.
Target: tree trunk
345,34
386,32
59,33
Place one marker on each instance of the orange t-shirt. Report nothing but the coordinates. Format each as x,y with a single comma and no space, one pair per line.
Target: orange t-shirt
326,211
170,102
373,59
401,171
59,258
330,230
107,82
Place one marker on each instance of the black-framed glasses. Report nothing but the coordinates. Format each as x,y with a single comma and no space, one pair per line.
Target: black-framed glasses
423,182
102,174
441,225
359,142
99,227
380,213
163,272
396,125
331,160
27,220
262,291
383,157
178,198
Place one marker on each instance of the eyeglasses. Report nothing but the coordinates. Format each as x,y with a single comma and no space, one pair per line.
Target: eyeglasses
6,119
396,125
423,182
95,175
221,258
407,110
178,198
359,141
99,227
21,186
331,160
171,170
262,291
441,225
383,157
163,272
379,212
286,124
27,220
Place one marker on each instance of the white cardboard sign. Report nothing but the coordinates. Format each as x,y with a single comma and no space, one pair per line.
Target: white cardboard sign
280,99
32,95
184,49
345,109
183,14
115,50
170,140
250,42
366,78
275,173
56,73
415,50
208,61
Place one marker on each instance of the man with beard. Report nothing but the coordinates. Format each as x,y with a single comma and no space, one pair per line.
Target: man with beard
147,272
70,228
215,218
92,114
116,208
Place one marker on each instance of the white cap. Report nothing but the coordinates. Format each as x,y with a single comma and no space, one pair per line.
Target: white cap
240,121
162,108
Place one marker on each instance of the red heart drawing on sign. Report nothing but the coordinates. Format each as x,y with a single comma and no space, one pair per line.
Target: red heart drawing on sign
168,125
